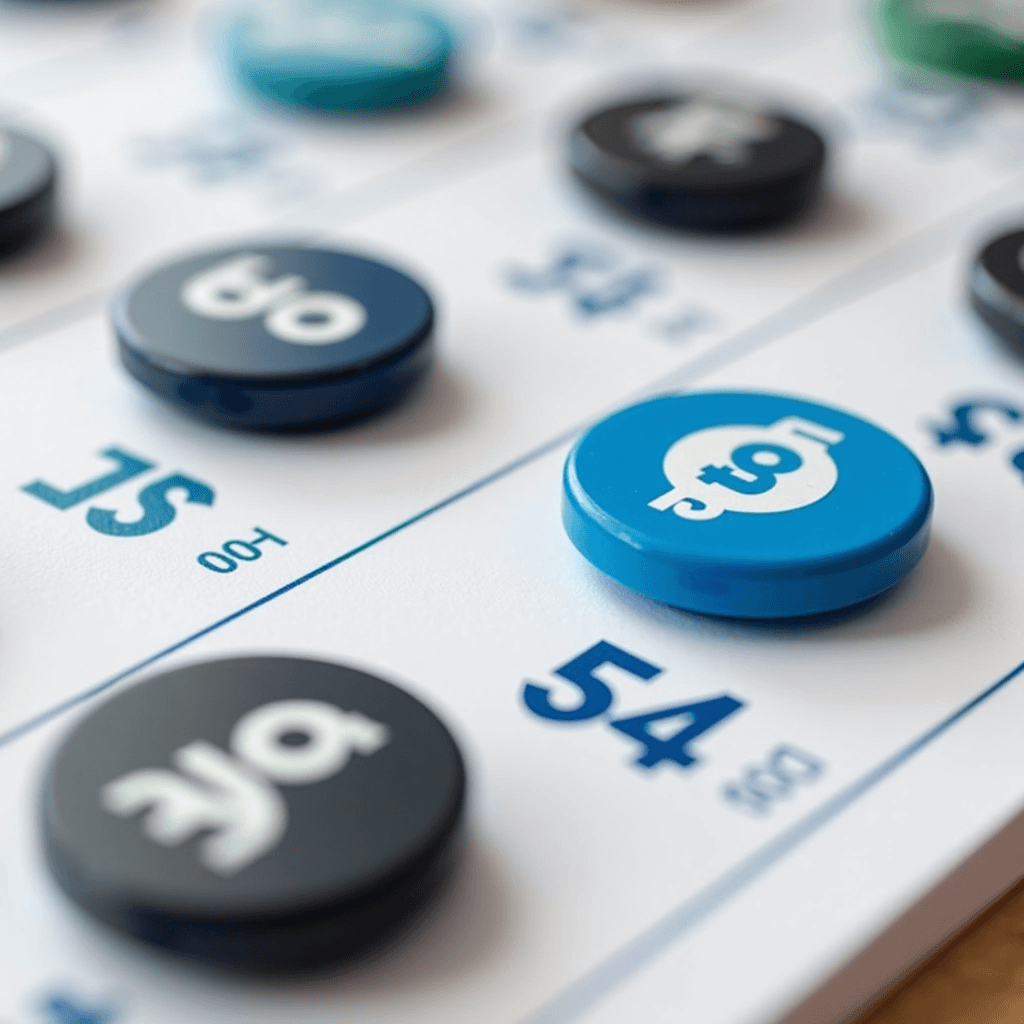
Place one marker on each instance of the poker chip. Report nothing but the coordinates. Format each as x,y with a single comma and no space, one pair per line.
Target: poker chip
979,38
342,54
746,505
997,286
28,178
262,814
276,337
699,160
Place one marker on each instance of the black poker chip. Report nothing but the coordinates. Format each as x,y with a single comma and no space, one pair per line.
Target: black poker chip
261,814
997,287
699,160
28,181
276,337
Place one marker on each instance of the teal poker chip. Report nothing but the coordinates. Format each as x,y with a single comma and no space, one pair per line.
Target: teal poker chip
341,54
747,505
978,38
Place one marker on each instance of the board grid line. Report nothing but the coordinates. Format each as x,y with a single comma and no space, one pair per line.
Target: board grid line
601,980
908,256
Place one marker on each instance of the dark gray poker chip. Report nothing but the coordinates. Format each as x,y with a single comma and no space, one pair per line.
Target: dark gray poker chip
997,287
699,160
262,814
276,337
28,185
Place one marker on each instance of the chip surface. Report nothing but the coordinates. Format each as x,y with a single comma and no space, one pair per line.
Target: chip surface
746,505
263,814
997,286
28,178
979,38
276,337
699,160
341,55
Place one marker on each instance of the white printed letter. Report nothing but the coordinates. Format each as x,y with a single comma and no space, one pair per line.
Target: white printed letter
236,289
214,792
327,736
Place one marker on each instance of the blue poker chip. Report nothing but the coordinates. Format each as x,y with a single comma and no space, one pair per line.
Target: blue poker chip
747,505
276,337
341,54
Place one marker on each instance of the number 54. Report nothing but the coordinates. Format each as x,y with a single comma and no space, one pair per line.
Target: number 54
596,698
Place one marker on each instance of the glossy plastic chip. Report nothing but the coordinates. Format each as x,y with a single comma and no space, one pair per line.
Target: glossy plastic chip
699,160
747,505
979,38
28,177
342,54
997,287
273,337
263,814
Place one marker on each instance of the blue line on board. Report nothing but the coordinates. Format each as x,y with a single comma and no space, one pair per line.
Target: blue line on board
917,250
608,975
908,256
531,456
616,969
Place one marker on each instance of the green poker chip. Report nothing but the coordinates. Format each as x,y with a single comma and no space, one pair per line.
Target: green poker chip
980,38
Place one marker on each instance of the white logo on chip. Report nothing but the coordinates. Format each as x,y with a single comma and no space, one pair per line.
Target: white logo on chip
238,289
719,129
749,468
352,32
232,796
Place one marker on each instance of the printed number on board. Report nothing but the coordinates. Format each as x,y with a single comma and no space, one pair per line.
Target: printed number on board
776,777
974,424
154,499
664,734
599,283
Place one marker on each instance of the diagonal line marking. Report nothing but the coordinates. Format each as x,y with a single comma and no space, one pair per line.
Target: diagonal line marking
924,247
588,990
